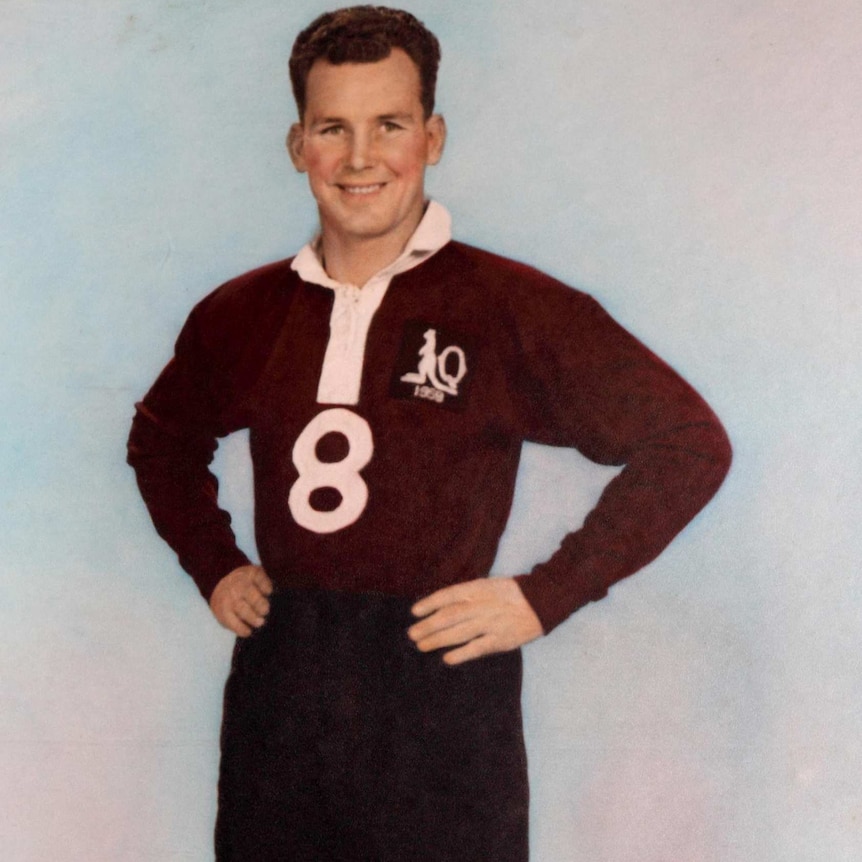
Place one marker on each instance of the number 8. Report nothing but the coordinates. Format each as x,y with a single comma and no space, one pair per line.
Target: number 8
342,475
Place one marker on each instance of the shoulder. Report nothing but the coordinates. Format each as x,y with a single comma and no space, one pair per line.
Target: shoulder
242,301
248,291
494,269
528,311
240,309
480,260
511,285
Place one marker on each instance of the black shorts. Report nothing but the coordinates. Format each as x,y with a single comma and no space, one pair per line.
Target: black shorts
341,741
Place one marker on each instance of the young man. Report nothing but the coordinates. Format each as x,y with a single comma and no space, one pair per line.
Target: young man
389,376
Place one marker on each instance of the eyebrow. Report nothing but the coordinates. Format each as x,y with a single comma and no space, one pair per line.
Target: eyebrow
403,117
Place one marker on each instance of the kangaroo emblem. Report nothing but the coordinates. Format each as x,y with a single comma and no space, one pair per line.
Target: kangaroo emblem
432,368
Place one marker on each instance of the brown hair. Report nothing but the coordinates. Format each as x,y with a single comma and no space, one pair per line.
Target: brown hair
365,34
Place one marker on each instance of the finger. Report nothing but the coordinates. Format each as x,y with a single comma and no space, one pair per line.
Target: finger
441,599
258,602
453,636
262,581
248,614
236,625
442,619
476,648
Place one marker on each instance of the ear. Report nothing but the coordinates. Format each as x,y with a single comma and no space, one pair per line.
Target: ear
435,132
295,142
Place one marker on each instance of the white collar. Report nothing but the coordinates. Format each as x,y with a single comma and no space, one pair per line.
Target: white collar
431,234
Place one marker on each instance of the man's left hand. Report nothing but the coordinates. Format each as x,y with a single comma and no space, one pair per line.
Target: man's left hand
479,617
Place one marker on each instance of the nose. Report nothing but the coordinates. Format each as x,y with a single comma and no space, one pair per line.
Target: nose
361,153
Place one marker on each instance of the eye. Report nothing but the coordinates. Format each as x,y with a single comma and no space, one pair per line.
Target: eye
391,126
334,129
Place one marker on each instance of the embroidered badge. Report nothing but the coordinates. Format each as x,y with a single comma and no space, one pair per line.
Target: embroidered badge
433,365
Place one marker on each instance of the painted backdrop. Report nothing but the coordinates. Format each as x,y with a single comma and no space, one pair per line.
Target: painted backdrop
693,165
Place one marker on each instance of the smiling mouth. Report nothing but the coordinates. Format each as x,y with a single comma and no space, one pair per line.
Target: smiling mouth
362,190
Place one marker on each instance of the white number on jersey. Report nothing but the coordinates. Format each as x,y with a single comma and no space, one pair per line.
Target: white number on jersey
342,475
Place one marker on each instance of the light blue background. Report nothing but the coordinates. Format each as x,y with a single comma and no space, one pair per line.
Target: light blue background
693,165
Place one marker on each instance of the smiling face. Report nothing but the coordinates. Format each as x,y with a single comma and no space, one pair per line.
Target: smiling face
364,142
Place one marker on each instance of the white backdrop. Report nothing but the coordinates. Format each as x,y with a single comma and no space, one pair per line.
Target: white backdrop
693,165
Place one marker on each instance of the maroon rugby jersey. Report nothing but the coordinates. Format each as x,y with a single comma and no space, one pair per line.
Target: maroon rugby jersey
409,490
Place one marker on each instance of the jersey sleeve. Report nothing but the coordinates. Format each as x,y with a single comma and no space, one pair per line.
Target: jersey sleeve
171,445
585,382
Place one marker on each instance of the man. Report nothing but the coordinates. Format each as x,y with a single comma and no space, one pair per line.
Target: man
389,376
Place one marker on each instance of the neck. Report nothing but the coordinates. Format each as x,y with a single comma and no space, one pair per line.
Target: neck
355,261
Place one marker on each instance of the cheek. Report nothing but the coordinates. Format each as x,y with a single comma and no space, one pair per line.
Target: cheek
320,166
410,162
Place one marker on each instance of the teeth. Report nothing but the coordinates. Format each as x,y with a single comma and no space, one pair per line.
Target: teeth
362,190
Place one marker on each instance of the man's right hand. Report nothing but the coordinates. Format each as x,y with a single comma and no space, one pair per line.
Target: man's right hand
240,600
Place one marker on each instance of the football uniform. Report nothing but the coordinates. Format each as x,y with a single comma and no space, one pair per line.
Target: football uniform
385,439
409,489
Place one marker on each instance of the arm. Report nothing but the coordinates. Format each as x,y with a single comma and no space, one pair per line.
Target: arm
622,406
171,445
583,381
